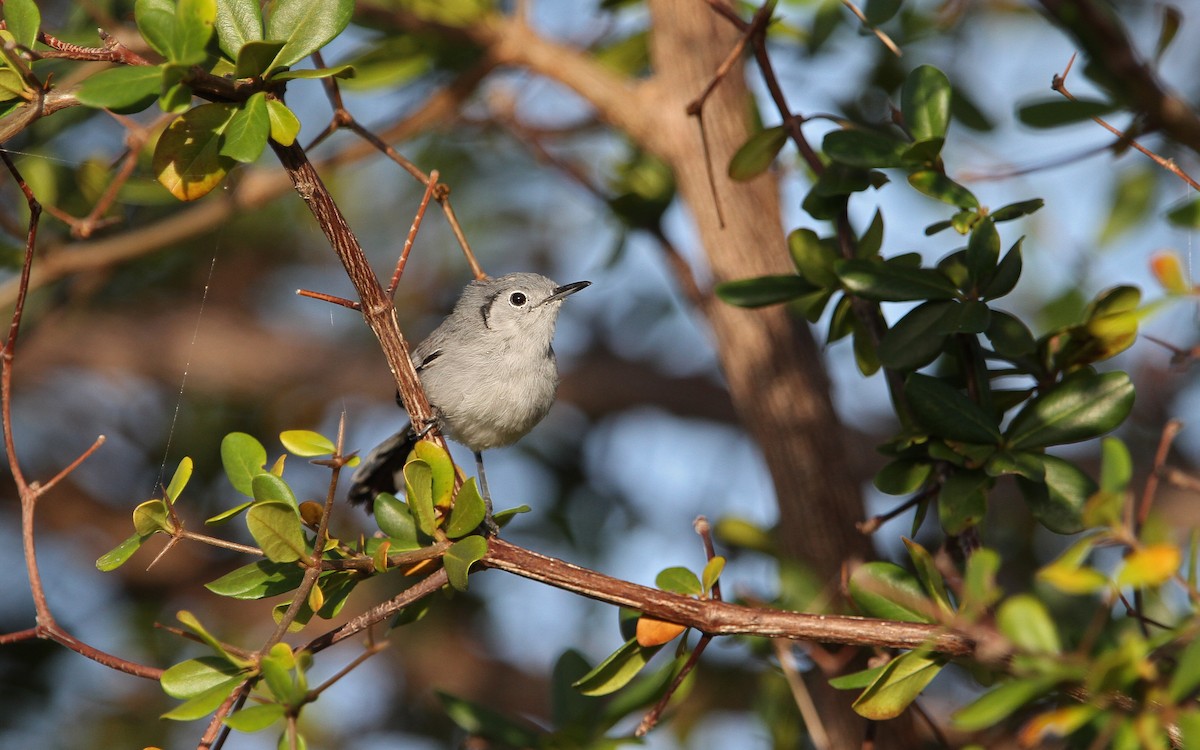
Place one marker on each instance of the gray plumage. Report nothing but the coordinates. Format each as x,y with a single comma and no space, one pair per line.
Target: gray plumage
489,371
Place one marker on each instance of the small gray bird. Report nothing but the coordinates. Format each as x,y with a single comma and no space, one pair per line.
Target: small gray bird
489,371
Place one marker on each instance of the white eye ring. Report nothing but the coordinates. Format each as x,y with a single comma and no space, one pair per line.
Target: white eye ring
517,299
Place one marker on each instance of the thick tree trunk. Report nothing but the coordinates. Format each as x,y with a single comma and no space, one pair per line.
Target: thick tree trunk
769,357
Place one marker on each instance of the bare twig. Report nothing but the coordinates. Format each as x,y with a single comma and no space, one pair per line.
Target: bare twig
412,234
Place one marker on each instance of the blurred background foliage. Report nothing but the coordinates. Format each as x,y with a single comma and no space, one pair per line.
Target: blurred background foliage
166,351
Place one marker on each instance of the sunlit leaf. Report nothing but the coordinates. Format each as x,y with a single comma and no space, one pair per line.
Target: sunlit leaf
245,136
124,89
652,632
901,681
887,591
925,103
188,160
1151,565
998,704
1084,405
275,525
764,290
616,671
461,556
194,677
285,126
679,580
117,556
307,443
256,718
1028,624
305,26
238,22
468,511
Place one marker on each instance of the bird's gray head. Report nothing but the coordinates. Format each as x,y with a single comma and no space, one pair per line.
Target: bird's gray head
524,304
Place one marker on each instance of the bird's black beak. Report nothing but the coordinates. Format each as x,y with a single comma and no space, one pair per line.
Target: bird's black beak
566,290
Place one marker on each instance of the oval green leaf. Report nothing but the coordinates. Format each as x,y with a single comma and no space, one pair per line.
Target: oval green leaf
194,677
865,149
897,686
757,154
764,290
893,282
937,185
947,413
468,511
887,591
679,580
395,520
256,718
306,443
617,670
1083,406
125,89
460,557
245,136
243,458
268,487
275,526
925,103
1057,502
258,580
305,26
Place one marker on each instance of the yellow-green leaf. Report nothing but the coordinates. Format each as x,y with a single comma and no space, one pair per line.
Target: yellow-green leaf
187,160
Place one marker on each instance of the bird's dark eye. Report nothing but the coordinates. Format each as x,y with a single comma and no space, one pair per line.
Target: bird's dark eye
517,299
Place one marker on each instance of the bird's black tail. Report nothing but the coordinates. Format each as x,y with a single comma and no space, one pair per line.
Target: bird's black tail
380,468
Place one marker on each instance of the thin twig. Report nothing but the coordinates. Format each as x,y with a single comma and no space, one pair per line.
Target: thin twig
879,34
1059,84
804,702
412,234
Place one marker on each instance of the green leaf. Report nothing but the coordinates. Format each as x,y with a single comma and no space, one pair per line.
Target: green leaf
156,22
442,471
1006,276
679,580
275,525
1116,465
1027,623
396,521
258,580
117,556
238,22
757,154
865,149
496,729
194,677
188,160
179,479
919,337
125,89
902,476
191,623
339,71
617,670
871,240
995,706
1017,210
1083,405
764,290
962,501
151,517
307,443
502,517
925,103
1010,337
1052,113
268,487
887,591
306,26
1185,678
256,718
277,668
468,511
1185,214
814,257
881,11
256,59
928,573
983,251
460,557
712,572
418,488
937,185
203,704
1058,501
194,21
893,282
947,413
246,135
857,680
901,681
285,126
228,514
979,580
22,19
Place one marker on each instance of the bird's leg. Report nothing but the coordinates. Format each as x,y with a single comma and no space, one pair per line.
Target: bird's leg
488,522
